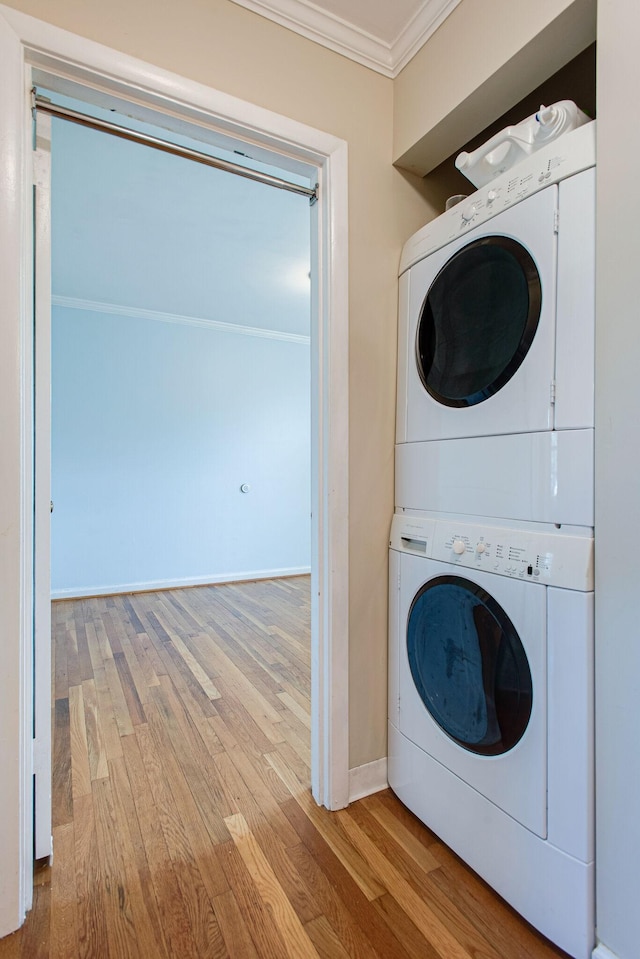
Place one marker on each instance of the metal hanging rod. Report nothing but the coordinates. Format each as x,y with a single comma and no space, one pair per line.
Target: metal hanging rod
157,144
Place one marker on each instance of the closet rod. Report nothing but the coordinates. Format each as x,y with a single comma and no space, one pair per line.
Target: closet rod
146,140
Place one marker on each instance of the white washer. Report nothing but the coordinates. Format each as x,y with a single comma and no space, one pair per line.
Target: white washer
496,339
491,706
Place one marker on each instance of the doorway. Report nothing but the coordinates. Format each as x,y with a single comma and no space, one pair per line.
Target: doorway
180,369
85,70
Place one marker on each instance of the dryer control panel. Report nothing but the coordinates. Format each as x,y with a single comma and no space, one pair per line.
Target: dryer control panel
570,154
543,556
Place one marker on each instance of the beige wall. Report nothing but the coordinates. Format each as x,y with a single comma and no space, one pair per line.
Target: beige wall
478,64
235,51
617,482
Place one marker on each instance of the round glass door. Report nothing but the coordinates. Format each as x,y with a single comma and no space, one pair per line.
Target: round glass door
469,665
478,321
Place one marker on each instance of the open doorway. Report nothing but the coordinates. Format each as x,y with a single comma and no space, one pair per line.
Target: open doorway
154,413
96,72
180,370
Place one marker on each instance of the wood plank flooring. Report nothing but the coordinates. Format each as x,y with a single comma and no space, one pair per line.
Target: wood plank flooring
183,820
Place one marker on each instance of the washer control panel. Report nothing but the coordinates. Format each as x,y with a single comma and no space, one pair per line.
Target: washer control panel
569,154
551,558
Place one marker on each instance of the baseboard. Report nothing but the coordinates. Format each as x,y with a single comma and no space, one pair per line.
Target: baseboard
601,952
367,779
80,592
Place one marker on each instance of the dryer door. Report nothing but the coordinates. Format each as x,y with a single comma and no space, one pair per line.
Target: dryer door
480,335
473,681
478,321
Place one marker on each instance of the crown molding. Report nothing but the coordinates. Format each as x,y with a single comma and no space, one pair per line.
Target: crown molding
422,25
116,309
349,40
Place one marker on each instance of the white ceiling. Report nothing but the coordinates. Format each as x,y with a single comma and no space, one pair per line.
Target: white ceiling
381,34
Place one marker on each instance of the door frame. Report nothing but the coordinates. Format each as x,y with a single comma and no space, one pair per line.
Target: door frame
28,45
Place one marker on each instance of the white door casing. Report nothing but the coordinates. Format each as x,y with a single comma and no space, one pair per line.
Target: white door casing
42,490
27,47
16,501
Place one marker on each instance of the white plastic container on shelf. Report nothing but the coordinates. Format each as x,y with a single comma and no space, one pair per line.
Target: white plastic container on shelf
509,146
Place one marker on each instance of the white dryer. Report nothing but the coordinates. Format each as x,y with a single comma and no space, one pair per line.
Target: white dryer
496,339
491,706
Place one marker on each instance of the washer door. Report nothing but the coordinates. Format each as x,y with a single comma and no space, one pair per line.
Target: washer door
478,321
469,665
472,680
477,338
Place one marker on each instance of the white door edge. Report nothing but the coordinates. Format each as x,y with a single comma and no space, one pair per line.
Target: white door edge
42,759
61,53
16,510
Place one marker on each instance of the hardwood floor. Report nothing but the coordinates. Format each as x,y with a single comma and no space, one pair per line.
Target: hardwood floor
183,821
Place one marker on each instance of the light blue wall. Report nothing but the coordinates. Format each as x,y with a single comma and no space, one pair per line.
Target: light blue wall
157,423
135,226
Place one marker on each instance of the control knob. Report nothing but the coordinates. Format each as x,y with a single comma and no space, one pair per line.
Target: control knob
480,548
459,547
469,212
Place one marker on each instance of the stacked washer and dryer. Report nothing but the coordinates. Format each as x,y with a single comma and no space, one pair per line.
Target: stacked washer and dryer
491,739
